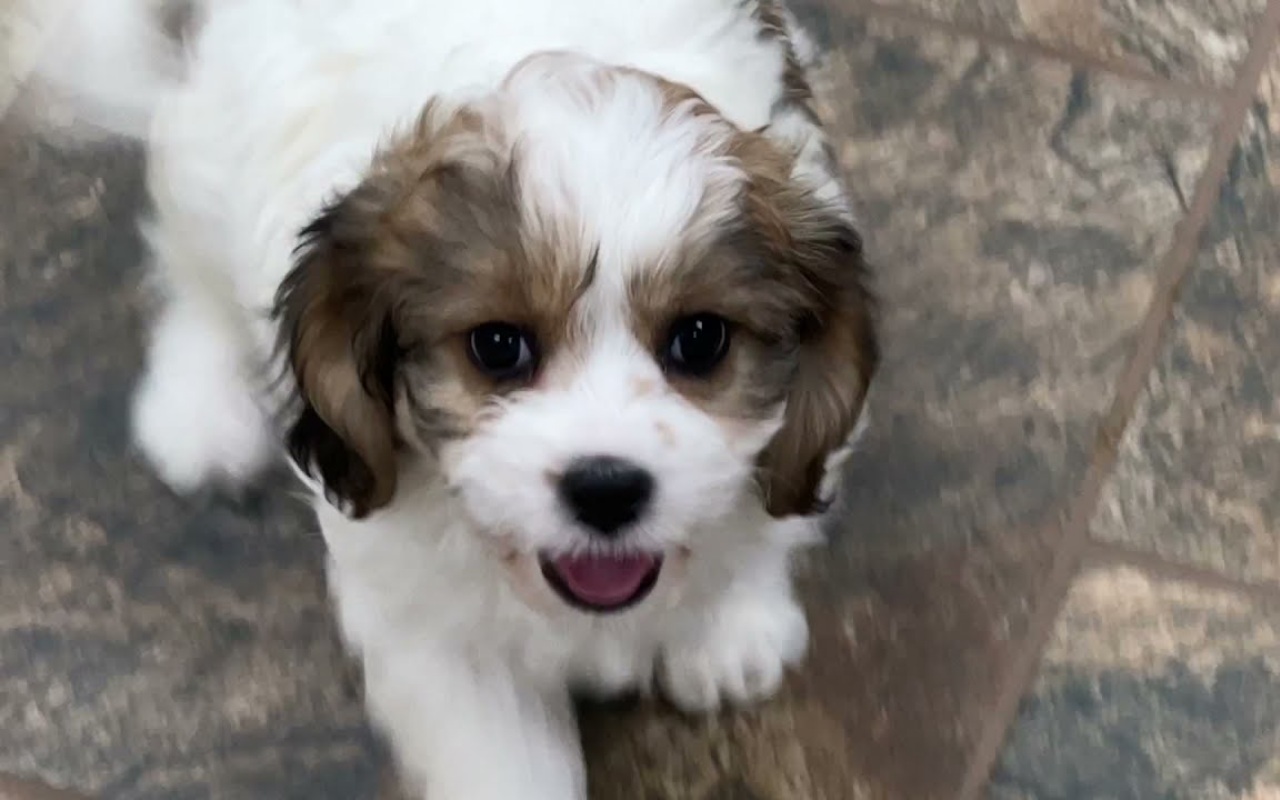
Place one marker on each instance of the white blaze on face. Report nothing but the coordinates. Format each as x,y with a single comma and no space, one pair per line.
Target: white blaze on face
604,157
615,159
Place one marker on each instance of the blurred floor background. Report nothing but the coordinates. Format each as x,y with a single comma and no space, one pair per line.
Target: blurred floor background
1059,576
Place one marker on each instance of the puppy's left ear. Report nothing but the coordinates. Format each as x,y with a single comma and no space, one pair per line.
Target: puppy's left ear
838,350
338,334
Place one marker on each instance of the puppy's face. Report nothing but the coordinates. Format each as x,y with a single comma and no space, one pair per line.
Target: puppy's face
606,318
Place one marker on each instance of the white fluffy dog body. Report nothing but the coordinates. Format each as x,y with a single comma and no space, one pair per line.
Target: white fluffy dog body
573,322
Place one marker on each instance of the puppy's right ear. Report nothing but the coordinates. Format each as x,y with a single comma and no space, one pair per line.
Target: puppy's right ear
334,313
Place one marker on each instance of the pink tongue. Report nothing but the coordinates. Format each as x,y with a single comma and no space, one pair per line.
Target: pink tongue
604,579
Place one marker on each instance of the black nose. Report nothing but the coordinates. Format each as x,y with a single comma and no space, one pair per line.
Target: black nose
606,493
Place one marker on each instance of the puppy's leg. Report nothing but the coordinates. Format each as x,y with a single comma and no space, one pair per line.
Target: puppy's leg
195,416
463,730
738,649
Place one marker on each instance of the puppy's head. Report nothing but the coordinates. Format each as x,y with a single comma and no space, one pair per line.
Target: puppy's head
600,313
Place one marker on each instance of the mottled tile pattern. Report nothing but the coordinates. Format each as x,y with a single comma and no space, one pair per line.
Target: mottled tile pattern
1198,471
1016,210
1151,689
1016,207
148,648
1192,41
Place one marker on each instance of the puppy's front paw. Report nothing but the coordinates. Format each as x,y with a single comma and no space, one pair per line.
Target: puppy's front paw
194,413
741,658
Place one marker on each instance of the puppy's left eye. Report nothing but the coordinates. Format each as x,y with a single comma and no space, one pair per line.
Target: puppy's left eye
502,351
697,344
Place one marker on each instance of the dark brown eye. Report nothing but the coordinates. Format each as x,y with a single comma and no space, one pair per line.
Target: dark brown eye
502,351
696,344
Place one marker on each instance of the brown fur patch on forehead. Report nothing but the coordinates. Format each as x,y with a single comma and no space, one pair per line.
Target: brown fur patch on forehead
442,210
388,283
787,270
731,268
727,267
730,277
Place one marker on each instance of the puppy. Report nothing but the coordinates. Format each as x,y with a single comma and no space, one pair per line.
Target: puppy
572,319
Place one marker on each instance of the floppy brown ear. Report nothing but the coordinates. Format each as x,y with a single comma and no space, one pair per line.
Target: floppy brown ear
337,333
837,354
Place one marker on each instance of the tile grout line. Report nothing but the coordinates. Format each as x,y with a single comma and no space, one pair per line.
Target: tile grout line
1074,540
1111,554
1038,48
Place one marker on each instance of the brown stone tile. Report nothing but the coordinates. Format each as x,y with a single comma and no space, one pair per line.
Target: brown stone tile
1016,210
1196,478
1193,41
1149,689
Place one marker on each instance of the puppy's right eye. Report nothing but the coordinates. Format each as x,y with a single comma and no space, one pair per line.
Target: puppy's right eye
697,344
502,351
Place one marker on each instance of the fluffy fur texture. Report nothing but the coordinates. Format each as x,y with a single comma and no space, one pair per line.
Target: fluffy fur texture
367,195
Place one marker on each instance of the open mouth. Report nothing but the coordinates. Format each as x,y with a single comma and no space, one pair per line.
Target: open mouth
602,583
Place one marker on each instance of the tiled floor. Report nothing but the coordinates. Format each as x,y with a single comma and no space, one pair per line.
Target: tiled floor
1059,574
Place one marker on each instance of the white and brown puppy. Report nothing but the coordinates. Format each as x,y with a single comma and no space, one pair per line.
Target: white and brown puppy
575,322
